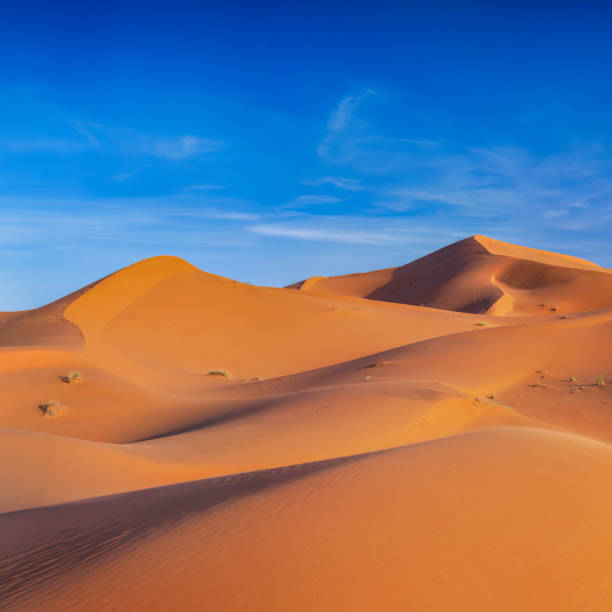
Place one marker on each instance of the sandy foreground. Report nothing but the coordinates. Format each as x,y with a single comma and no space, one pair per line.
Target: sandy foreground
432,437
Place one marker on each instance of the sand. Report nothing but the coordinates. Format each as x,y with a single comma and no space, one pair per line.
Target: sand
429,437
482,275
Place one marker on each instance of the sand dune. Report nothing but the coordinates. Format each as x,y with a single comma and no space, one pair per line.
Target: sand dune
202,321
430,437
480,275
430,526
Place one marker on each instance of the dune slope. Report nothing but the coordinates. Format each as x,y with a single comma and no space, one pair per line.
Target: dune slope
430,437
395,530
479,275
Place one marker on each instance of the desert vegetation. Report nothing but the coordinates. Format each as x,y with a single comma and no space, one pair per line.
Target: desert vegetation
219,372
50,408
73,377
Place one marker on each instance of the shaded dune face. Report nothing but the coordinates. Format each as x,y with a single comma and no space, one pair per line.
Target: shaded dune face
473,275
164,313
375,531
356,451
44,326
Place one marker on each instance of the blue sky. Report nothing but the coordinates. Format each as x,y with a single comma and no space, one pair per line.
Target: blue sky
272,142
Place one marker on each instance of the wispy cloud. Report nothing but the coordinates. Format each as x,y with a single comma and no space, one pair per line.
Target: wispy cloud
509,181
41,145
127,141
350,184
125,176
26,220
344,113
342,120
87,130
225,215
180,147
203,187
311,200
321,235
419,176
116,140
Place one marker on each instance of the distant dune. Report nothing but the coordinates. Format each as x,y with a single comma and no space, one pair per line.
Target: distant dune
429,437
482,275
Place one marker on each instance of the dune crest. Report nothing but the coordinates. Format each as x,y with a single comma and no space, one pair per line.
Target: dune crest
482,275
433,437
92,310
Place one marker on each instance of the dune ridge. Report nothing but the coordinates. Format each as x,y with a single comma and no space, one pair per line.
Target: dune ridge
482,275
433,437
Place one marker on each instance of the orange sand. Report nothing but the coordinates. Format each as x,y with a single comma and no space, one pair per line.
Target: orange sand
482,275
429,437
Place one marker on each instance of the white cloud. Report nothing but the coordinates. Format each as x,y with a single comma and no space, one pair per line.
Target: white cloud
350,184
310,199
86,130
338,235
228,216
181,147
509,181
343,113
125,176
117,140
417,175
340,120
203,187
26,221
42,145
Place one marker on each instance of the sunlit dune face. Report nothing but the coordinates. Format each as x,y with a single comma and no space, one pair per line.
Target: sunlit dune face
429,437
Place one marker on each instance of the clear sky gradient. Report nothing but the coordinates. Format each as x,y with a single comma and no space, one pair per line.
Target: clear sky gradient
270,142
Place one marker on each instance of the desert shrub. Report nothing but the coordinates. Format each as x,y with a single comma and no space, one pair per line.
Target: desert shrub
600,382
73,377
572,379
50,408
219,372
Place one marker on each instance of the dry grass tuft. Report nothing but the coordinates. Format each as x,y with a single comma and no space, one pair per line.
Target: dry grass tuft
219,372
50,408
73,377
